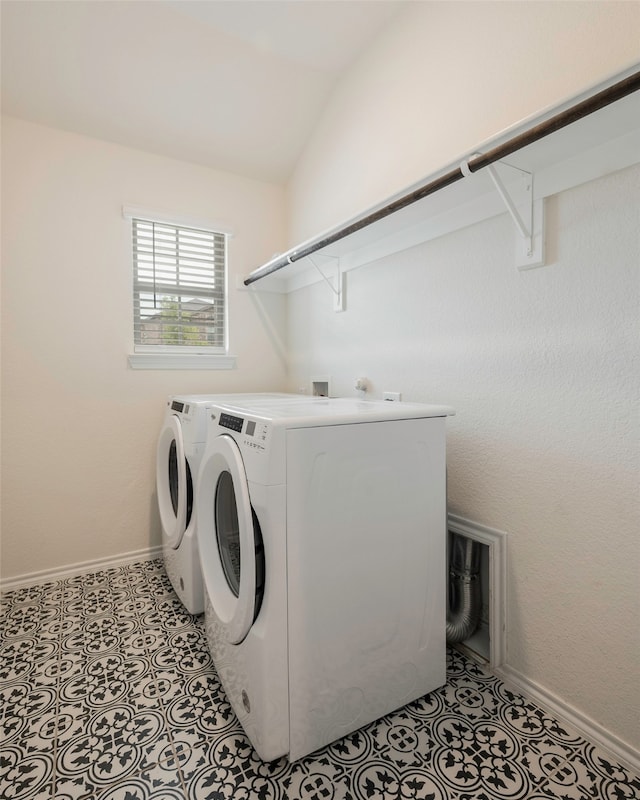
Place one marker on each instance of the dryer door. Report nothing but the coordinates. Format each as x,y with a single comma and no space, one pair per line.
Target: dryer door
173,483
229,539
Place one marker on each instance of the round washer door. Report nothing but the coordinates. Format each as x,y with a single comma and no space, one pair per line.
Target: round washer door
227,538
172,482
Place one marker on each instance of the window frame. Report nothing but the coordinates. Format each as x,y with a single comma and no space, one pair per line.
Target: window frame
178,356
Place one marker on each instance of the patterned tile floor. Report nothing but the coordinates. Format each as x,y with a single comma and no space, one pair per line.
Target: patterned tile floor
107,692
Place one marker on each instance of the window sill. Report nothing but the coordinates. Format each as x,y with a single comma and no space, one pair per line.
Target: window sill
180,361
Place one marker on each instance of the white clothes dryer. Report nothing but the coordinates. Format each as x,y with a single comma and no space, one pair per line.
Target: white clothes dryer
179,452
322,534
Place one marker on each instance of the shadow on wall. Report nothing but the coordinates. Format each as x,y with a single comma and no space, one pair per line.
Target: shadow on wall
266,317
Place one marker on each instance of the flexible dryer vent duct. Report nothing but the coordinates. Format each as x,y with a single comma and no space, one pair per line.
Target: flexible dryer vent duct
465,599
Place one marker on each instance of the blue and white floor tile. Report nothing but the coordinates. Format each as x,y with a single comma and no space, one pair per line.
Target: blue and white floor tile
107,692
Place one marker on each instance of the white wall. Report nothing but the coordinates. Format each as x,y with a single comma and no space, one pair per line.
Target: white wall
541,366
80,427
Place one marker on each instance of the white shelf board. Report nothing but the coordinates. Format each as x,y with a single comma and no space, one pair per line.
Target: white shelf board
596,145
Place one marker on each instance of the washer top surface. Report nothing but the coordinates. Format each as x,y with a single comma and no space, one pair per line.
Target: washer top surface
301,412
207,399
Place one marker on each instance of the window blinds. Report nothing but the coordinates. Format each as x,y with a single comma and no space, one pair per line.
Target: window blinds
179,287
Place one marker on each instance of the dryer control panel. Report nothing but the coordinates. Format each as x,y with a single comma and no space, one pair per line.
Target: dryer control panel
255,431
256,434
231,422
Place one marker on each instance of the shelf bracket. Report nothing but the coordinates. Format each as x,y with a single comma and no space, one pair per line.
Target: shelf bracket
336,287
527,214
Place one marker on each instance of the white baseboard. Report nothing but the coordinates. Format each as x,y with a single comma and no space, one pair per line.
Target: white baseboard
592,731
81,568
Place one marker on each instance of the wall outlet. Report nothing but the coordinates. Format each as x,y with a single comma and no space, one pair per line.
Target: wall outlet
393,396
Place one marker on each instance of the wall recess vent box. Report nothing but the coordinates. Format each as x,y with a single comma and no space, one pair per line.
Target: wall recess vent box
320,387
489,641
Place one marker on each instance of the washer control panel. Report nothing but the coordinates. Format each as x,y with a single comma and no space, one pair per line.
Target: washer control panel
178,407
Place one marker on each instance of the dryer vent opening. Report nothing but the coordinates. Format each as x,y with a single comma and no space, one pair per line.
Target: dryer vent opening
320,387
464,605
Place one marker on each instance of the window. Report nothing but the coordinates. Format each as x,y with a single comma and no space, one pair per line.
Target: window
179,294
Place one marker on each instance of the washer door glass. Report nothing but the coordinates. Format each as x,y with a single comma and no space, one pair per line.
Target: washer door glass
173,483
229,539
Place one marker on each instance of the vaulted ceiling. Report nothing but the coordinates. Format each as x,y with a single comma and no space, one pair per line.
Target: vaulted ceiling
236,85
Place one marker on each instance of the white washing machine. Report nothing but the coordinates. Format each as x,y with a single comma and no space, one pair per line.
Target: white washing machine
179,451
322,534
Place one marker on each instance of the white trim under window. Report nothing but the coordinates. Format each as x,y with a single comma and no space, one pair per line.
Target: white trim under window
180,303
180,361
